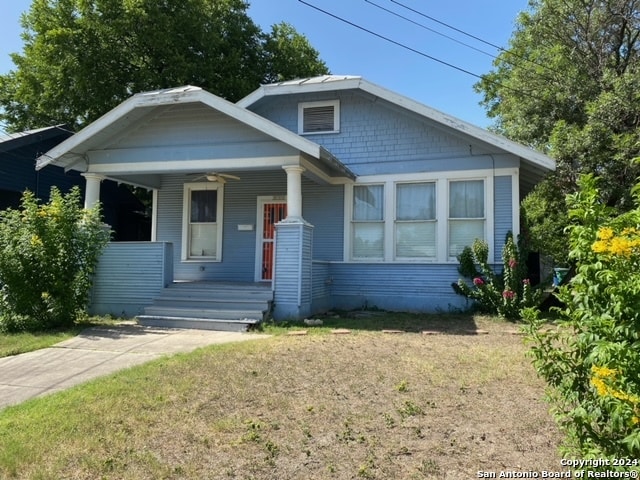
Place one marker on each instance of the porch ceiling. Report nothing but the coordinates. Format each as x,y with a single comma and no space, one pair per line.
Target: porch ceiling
188,130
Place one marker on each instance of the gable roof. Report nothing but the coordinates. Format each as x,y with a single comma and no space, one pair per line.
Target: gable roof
71,151
535,163
13,141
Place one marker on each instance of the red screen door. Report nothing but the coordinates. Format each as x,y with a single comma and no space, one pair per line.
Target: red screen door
272,213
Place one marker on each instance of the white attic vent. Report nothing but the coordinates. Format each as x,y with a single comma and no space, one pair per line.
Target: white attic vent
319,117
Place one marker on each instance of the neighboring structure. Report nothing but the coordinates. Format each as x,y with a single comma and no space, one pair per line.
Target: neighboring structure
18,153
335,191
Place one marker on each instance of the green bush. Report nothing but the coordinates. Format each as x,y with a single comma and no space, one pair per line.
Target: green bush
48,253
504,294
591,361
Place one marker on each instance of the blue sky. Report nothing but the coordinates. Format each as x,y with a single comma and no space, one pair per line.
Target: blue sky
350,51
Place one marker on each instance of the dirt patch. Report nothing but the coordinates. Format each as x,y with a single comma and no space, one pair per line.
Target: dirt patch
365,405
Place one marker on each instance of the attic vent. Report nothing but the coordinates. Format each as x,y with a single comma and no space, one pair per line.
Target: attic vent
319,117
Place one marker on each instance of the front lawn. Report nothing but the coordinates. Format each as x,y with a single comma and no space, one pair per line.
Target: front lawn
23,342
369,404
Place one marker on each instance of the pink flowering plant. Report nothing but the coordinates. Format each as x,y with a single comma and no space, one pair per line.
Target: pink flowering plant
504,293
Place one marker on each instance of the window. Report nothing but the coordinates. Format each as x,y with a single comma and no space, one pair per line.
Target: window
202,222
466,214
424,217
319,117
415,225
367,227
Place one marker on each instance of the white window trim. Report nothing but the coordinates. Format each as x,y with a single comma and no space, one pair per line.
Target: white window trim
396,222
441,180
186,198
336,116
487,230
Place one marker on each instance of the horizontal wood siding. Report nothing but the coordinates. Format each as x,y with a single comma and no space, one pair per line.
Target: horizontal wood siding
323,207
240,208
293,271
399,287
503,213
377,137
129,276
189,125
306,270
287,265
321,287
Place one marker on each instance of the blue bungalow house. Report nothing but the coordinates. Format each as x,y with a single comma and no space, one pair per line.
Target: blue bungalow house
306,195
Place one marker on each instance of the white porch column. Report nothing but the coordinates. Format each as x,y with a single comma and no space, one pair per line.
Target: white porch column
294,191
92,190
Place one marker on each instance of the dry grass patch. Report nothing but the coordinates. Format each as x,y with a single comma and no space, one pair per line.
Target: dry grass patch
367,405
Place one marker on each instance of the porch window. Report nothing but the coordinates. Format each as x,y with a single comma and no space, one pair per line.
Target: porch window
415,222
367,227
466,214
319,117
202,222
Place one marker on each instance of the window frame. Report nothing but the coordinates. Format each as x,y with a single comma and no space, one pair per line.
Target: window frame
382,221
397,222
324,103
441,180
186,221
460,220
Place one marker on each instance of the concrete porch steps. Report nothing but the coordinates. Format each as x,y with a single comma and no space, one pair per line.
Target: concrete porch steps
209,306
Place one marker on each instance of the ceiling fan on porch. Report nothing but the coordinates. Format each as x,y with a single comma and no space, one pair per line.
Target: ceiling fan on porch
215,177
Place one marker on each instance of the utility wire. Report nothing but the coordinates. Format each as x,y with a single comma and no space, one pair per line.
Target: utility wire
402,45
467,34
429,29
411,49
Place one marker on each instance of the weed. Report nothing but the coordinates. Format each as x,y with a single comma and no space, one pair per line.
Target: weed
410,409
403,386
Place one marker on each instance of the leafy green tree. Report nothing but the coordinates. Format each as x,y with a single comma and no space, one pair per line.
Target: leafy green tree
569,85
48,254
83,57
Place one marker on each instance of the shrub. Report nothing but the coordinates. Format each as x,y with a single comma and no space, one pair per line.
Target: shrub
504,294
591,362
48,253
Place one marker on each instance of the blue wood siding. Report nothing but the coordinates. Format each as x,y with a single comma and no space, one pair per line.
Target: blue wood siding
323,207
129,276
399,287
321,287
240,208
377,137
503,213
293,271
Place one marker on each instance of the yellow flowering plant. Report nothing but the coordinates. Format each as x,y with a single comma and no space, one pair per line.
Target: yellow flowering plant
591,362
48,253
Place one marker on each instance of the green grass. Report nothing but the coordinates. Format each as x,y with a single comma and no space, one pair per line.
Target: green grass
23,342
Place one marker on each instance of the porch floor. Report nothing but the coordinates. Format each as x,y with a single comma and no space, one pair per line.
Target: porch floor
209,305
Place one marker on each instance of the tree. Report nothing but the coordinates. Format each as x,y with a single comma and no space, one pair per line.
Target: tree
569,86
83,57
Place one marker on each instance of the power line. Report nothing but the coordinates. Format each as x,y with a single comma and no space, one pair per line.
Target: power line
411,49
390,40
429,29
467,34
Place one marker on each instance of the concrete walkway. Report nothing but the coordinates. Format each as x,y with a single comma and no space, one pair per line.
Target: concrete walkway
95,352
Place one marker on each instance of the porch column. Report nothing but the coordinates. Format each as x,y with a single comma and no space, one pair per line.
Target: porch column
92,190
294,192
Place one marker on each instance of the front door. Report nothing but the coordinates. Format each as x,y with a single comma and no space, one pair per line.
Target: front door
271,210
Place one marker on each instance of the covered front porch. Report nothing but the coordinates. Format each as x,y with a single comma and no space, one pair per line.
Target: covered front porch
229,193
